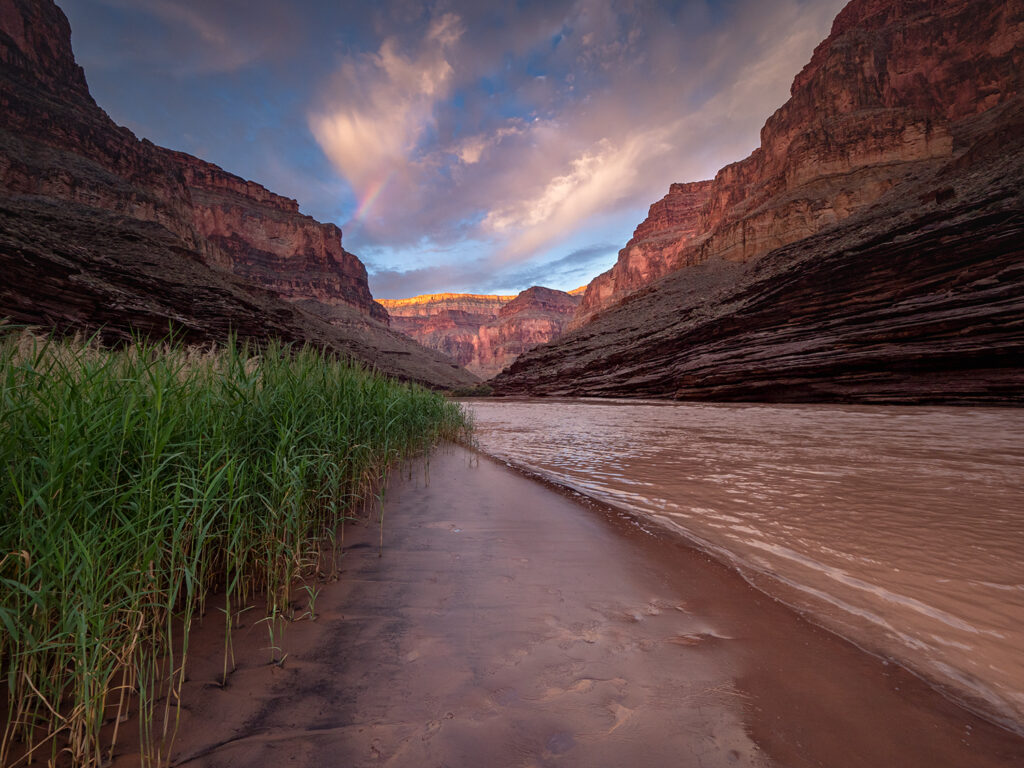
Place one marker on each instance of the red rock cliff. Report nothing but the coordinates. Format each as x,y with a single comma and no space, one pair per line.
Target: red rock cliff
892,180
671,225
874,103
486,306
101,231
236,225
483,333
263,237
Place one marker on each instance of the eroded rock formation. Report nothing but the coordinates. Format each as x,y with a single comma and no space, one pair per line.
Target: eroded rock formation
872,108
870,250
263,238
484,333
99,229
672,224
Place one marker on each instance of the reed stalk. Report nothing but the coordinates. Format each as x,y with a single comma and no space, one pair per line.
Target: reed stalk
135,483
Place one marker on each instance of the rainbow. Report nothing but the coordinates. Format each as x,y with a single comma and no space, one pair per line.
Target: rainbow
372,193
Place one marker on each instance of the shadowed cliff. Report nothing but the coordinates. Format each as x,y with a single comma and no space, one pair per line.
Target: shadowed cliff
869,251
99,230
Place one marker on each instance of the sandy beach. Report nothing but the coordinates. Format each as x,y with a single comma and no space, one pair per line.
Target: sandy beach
509,624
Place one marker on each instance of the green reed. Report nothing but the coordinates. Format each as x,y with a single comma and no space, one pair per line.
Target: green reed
135,483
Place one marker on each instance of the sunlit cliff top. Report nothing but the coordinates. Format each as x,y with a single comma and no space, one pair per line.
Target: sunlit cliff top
429,298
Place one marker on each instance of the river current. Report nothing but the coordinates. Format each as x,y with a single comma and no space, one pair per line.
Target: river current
901,529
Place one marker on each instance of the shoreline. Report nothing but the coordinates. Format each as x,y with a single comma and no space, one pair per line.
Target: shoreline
611,643
755,579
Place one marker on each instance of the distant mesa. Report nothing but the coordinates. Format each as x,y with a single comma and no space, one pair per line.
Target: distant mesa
484,333
870,250
99,230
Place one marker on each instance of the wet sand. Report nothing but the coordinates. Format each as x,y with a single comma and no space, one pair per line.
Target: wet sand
508,624
899,528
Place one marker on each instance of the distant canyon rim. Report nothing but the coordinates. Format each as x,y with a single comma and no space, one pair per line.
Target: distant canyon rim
485,333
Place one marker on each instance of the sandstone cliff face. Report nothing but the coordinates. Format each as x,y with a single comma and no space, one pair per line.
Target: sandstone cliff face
672,224
871,109
101,229
485,306
236,225
449,323
870,251
262,237
483,333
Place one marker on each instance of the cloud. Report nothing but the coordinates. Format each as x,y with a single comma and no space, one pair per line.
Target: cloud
568,272
584,255
598,178
449,278
518,142
189,37
378,106
471,149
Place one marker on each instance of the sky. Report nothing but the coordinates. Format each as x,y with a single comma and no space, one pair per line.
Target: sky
461,145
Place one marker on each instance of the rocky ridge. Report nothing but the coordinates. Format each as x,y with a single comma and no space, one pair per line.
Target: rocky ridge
671,224
871,108
869,251
102,230
484,333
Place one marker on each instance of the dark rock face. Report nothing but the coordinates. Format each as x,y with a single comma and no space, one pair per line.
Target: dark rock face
869,251
101,229
484,333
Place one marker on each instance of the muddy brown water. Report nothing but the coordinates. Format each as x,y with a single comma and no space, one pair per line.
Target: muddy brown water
900,528
508,624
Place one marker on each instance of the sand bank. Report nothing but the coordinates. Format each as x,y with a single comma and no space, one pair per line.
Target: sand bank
509,625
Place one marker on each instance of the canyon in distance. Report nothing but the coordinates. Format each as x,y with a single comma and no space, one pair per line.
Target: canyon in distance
753,495
484,333
868,251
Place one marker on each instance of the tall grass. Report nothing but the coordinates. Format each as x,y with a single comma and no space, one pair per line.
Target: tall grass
134,483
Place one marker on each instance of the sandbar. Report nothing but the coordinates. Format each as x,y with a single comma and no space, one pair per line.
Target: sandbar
508,624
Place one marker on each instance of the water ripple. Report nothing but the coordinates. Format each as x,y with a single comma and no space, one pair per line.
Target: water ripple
902,528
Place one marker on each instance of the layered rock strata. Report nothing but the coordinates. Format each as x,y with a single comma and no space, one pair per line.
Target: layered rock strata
484,333
870,251
872,107
101,230
671,225
263,238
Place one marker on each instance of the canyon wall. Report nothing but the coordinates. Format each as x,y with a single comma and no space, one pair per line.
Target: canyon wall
871,250
101,230
235,225
263,238
871,109
671,224
484,333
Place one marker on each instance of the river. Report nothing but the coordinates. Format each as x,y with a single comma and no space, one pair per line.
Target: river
901,529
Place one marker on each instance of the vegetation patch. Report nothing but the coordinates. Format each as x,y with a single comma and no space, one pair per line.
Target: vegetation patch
136,482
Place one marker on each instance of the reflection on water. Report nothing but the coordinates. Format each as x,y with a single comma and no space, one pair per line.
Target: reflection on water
901,528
